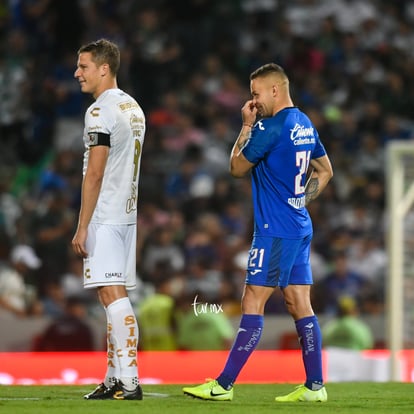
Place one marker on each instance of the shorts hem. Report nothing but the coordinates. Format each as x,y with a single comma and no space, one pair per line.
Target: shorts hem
100,284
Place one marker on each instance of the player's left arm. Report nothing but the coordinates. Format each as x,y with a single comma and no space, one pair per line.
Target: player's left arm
319,178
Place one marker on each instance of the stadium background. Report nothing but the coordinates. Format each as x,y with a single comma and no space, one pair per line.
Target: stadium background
350,64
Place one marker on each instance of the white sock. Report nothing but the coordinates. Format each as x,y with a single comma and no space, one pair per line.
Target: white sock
124,336
112,366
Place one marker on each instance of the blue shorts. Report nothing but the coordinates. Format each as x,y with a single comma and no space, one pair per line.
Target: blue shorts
274,261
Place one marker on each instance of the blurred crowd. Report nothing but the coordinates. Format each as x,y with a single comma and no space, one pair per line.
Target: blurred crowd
188,62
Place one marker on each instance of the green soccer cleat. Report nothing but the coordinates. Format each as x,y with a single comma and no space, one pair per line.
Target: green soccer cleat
210,390
302,393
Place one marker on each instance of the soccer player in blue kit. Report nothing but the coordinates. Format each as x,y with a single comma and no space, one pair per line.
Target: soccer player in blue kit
279,148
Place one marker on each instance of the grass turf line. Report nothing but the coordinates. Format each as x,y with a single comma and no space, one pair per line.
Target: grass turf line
344,398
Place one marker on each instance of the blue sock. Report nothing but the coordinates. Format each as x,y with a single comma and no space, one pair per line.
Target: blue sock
247,338
311,342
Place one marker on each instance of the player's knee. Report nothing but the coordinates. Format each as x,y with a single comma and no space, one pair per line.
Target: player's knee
291,308
298,310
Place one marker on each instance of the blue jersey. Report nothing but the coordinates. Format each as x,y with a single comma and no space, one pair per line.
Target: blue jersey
281,148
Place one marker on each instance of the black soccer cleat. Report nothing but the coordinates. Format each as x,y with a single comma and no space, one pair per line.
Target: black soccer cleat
97,392
118,392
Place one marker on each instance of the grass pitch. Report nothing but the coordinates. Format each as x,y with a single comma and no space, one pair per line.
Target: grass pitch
346,398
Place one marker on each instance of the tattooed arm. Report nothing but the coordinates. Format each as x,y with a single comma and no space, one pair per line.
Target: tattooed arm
239,165
319,178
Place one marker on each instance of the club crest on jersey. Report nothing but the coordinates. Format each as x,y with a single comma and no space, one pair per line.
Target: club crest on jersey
95,112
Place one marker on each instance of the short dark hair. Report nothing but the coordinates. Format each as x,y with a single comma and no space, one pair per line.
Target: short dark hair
103,51
267,69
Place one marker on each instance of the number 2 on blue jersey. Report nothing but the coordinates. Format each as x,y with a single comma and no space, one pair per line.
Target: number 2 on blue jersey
302,161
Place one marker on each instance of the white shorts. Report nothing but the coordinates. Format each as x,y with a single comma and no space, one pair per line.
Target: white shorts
111,256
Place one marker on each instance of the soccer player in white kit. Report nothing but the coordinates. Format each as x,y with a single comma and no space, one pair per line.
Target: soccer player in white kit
106,233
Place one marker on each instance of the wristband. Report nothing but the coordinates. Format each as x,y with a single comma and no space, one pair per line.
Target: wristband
248,125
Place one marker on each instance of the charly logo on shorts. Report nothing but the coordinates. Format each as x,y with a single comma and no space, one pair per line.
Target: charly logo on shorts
110,275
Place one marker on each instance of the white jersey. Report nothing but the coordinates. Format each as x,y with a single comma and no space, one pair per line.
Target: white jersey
118,115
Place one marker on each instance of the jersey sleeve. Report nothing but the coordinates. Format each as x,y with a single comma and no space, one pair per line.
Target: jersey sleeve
319,150
99,122
262,139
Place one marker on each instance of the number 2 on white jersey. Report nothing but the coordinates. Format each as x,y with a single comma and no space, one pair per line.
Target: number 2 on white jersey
302,161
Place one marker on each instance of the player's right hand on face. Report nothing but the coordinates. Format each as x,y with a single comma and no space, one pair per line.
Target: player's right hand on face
249,112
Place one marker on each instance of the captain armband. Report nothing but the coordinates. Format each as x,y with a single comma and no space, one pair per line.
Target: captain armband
98,138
